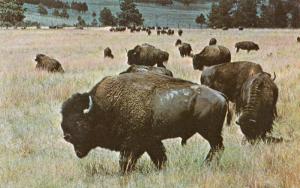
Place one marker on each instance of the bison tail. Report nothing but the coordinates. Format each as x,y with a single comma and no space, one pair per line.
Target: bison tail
229,115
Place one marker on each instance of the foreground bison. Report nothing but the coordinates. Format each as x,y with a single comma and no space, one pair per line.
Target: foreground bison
229,78
132,113
108,53
258,108
211,55
185,49
148,55
47,63
143,68
246,45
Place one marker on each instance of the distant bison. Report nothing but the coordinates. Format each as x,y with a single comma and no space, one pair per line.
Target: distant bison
212,41
246,45
132,113
229,78
108,53
148,55
49,64
143,68
241,28
185,49
259,97
180,32
211,55
178,42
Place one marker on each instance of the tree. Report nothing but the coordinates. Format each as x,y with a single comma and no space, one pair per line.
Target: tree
246,13
55,12
94,22
94,14
129,14
11,12
107,18
266,18
280,14
64,13
80,22
295,20
221,14
42,10
213,16
200,19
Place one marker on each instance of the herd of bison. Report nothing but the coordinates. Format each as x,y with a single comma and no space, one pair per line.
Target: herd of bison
134,111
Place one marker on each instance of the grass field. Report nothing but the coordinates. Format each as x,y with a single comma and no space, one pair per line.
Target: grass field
33,152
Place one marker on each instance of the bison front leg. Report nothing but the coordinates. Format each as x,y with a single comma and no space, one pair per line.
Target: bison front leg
157,153
128,160
217,148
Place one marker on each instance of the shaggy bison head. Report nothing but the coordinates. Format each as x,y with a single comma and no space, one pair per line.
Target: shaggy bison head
39,57
75,123
134,55
259,96
256,47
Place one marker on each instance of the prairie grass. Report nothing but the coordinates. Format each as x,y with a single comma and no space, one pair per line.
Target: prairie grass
34,154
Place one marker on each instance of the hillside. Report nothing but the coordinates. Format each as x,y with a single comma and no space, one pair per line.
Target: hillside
171,15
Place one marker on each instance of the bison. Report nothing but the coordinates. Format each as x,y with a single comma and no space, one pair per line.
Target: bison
47,63
212,41
185,49
148,55
143,68
259,96
229,78
132,113
180,32
246,45
108,53
211,55
178,42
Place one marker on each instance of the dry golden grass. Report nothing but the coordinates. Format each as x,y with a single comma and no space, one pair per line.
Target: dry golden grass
34,154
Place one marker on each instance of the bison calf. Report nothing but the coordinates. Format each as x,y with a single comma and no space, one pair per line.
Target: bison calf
108,53
49,64
132,113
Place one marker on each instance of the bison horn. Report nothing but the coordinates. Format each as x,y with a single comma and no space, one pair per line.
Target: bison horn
252,120
86,111
274,76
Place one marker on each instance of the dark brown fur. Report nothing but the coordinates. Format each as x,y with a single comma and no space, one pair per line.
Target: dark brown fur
143,68
49,64
132,113
246,45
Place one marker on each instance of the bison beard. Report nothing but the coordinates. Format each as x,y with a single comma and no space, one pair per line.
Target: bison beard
132,113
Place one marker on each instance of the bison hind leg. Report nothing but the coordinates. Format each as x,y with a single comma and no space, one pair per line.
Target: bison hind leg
216,149
157,153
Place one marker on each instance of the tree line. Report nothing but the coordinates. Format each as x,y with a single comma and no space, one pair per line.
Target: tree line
255,13
81,7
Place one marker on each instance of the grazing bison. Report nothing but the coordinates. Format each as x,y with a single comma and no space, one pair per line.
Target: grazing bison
246,45
180,32
49,64
148,55
108,53
241,28
143,68
178,42
229,78
211,55
258,101
132,113
185,49
212,41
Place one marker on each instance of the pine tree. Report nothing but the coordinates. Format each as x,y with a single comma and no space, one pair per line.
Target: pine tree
246,13
280,14
80,22
11,12
107,18
94,22
266,18
42,10
129,14
56,12
213,16
201,19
